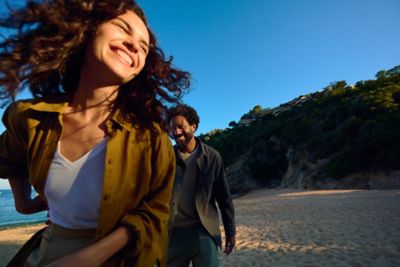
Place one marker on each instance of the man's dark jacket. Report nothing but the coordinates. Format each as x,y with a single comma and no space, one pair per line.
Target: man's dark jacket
212,187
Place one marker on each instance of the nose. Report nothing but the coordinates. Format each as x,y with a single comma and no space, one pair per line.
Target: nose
131,46
176,131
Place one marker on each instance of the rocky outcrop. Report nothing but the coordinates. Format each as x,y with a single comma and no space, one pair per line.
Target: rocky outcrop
239,180
303,173
363,180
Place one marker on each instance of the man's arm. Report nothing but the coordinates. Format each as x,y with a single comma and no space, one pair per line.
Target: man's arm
225,204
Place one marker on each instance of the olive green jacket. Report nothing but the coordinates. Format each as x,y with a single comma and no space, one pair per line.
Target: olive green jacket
138,176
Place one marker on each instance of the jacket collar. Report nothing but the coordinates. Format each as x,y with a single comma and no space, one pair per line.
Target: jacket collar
202,147
50,104
59,104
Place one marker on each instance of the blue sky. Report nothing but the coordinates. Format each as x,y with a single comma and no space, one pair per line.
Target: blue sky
244,53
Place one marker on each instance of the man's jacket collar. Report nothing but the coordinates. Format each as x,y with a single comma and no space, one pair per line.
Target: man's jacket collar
202,147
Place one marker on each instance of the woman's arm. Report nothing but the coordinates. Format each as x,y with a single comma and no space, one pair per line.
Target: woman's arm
97,253
21,189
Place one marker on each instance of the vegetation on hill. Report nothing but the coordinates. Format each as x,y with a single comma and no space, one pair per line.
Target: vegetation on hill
356,127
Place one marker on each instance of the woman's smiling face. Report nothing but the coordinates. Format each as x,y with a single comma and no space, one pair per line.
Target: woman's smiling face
119,48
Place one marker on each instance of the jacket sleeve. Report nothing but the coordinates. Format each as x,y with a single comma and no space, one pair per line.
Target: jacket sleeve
149,221
13,147
224,198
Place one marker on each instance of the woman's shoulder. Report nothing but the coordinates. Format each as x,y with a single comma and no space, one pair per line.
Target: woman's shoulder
45,103
25,111
19,107
159,131
22,104
159,135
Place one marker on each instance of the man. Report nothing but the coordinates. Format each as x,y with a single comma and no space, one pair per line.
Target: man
200,183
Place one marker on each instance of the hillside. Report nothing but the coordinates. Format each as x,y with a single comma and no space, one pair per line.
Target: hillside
340,137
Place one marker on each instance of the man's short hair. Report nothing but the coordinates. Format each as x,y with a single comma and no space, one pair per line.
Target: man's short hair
189,113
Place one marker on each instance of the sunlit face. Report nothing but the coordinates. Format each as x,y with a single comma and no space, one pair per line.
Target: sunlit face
119,48
181,130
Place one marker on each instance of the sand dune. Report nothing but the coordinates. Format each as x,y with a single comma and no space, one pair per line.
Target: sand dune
299,228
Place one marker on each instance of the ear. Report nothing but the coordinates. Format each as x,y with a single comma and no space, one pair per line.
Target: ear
194,127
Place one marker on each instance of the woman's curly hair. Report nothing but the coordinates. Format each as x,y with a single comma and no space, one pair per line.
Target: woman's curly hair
47,51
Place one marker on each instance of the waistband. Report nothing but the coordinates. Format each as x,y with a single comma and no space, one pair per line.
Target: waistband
67,233
190,226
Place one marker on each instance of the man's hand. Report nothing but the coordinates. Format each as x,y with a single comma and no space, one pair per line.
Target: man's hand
229,244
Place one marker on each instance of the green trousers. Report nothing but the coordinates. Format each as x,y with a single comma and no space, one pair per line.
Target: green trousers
192,244
57,242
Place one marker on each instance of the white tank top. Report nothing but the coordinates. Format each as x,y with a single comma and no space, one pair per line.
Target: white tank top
73,189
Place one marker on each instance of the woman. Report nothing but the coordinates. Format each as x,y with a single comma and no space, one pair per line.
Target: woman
92,142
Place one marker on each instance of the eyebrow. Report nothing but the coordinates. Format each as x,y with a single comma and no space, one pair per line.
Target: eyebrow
131,30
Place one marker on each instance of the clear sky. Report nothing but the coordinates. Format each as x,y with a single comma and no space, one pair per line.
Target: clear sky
244,53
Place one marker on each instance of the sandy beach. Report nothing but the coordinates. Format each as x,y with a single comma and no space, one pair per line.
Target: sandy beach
354,228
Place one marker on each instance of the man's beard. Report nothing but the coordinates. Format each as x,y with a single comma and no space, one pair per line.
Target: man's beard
183,142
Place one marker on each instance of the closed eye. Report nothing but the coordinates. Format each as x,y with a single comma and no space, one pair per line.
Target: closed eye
144,48
122,27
